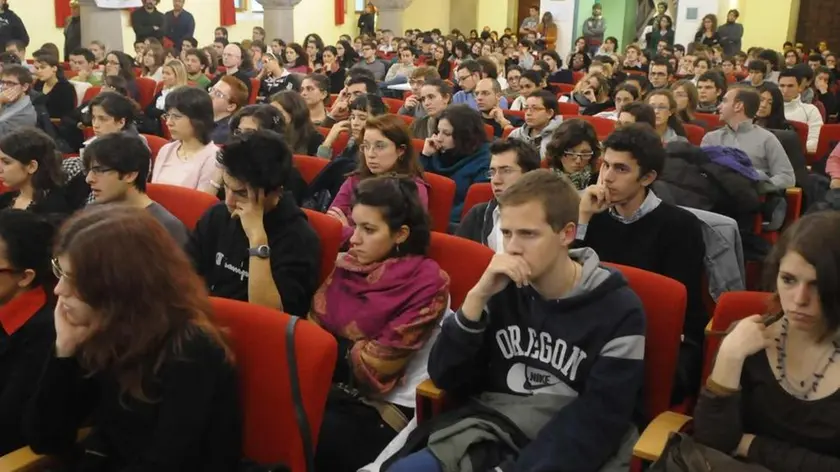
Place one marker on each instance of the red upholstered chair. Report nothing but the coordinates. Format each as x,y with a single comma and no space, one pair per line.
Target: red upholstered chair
515,113
257,336
408,120
309,166
829,138
710,119
491,133
186,204
155,143
506,132
87,132
695,133
802,131
603,126
464,261
821,109
418,144
441,197
731,307
329,231
477,193
577,76
393,104
565,88
255,89
340,142
568,109
145,91
158,88
90,93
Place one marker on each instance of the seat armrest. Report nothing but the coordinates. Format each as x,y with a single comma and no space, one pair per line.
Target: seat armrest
793,196
653,439
427,389
708,328
23,460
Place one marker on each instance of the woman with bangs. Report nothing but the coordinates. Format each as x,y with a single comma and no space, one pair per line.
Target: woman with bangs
136,352
573,151
296,59
773,397
668,123
153,60
315,91
386,149
328,182
59,94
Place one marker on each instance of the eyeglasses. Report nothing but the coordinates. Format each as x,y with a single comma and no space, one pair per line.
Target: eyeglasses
99,170
171,116
217,93
9,83
378,146
462,78
502,171
57,271
583,156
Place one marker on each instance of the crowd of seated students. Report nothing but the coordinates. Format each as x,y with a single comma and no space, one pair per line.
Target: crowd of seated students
550,231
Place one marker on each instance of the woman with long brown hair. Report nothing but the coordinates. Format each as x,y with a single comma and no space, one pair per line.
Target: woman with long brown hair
136,351
301,134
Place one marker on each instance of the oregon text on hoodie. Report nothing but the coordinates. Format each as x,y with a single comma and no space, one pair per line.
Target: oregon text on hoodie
219,250
585,350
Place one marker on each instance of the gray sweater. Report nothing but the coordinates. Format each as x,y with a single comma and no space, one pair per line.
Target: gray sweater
17,115
763,148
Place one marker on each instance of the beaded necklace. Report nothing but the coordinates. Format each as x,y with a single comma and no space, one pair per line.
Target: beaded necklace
799,389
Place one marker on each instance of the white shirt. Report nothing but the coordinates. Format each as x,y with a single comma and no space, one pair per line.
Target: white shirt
494,239
806,113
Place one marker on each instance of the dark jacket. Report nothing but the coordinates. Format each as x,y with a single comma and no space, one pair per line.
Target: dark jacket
219,250
730,37
60,101
365,23
478,222
178,28
12,27
72,36
464,170
144,23
27,335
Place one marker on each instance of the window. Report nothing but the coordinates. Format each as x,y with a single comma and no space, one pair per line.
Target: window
360,5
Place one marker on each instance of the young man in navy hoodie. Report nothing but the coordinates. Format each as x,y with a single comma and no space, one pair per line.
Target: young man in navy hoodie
258,245
550,345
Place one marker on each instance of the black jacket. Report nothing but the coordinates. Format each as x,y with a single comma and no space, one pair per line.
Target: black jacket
144,24
478,222
12,27
365,23
23,350
60,101
219,250
72,36
178,28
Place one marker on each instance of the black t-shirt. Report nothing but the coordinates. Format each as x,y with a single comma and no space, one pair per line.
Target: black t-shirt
219,250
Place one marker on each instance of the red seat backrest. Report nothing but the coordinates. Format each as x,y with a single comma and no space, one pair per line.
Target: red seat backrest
464,260
329,232
90,93
710,119
477,193
441,197
664,301
155,143
802,131
577,76
393,104
731,307
565,88
184,203
491,133
309,166
257,337
158,88
418,144
603,126
828,134
408,120
568,109
255,89
145,91
517,113
695,133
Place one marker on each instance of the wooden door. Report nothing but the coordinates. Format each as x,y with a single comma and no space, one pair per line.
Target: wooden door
819,20
522,12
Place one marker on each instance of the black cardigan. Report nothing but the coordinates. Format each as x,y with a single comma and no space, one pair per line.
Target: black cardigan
193,424
23,350
61,100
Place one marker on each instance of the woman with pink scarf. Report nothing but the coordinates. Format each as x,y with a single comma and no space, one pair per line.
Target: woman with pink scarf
383,303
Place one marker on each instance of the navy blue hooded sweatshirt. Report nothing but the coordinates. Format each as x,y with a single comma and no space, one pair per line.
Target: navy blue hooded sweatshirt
586,349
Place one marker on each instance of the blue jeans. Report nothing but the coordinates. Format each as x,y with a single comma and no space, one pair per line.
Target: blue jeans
421,461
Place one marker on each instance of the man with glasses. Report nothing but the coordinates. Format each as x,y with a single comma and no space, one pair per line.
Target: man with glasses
232,58
412,106
370,62
228,95
660,73
509,160
117,168
488,92
16,108
540,120
469,73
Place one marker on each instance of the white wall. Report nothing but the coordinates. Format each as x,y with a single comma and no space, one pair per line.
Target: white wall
686,29
564,16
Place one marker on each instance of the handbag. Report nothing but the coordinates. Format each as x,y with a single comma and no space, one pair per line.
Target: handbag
683,454
300,413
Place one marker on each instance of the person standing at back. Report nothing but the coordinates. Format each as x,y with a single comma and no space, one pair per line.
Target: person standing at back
731,33
178,24
594,29
11,26
147,22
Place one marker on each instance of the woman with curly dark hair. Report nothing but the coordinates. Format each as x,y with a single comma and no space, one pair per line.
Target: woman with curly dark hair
573,150
136,352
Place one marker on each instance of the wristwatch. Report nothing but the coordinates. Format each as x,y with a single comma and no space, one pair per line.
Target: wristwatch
260,251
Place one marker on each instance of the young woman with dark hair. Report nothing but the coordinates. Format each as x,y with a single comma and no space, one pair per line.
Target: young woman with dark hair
386,149
771,110
59,95
573,150
190,160
121,64
383,303
668,123
315,91
685,94
301,134
772,398
458,150
26,316
707,34
30,167
347,56
333,69
136,353
296,59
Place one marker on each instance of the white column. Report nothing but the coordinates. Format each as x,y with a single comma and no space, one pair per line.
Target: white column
102,24
279,18
391,14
